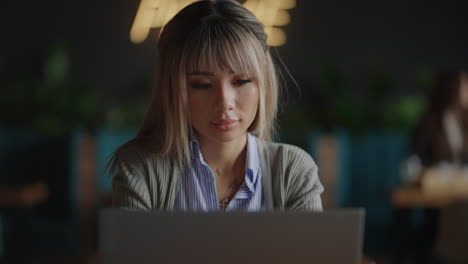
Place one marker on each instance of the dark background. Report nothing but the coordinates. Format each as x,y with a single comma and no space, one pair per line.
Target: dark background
359,65
400,38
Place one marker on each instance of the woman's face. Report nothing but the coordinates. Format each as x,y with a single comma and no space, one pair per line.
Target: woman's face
222,104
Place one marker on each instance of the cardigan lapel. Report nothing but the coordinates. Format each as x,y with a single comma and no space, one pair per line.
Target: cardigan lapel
265,160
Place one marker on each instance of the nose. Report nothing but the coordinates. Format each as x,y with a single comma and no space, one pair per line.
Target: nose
225,98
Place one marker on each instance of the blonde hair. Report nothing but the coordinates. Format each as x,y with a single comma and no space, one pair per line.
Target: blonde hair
213,34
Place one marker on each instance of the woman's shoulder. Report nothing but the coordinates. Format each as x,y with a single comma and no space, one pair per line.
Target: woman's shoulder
141,178
136,176
294,176
135,156
286,154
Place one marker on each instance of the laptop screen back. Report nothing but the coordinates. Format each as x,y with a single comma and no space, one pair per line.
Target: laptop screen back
333,237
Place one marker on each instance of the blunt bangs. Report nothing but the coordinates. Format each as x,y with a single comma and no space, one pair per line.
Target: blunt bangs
224,45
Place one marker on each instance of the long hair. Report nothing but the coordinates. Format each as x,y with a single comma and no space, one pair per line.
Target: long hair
445,94
430,141
209,34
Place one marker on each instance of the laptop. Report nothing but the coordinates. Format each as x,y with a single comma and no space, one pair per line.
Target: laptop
329,237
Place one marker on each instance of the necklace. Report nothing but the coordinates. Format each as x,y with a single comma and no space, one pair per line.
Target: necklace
223,204
233,187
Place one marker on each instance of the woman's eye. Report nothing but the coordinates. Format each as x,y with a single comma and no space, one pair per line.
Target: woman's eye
241,82
201,85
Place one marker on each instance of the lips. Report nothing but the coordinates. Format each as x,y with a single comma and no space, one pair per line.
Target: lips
225,124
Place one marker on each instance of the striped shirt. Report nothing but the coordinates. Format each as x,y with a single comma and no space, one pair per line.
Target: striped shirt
198,188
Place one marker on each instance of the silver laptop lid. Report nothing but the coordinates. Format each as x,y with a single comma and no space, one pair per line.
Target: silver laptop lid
330,237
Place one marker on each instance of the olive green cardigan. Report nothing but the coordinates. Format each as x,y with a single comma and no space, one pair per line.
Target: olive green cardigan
289,177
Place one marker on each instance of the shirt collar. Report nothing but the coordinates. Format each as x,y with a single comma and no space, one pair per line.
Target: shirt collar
252,163
195,148
252,160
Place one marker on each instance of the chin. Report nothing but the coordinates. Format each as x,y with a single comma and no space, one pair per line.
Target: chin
226,136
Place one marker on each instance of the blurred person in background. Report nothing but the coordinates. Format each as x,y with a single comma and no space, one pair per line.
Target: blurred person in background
442,135
439,141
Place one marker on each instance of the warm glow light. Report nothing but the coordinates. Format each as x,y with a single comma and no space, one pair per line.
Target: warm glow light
142,23
276,37
267,15
138,35
156,13
280,4
252,5
282,18
159,16
272,13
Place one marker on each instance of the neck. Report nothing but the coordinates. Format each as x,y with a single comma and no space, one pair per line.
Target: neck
224,156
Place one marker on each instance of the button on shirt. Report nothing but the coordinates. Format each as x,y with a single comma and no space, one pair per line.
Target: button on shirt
198,188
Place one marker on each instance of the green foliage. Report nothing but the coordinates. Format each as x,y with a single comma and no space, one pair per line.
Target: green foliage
346,111
375,106
57,66
125,116
53,105
405,112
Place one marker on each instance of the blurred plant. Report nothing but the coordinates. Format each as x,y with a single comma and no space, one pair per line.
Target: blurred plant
128,112
53,105
425,78
128,115
343,109
379,85
404,113
375,108
294,126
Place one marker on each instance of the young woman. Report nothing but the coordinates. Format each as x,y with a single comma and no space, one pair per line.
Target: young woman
442,135
205,144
